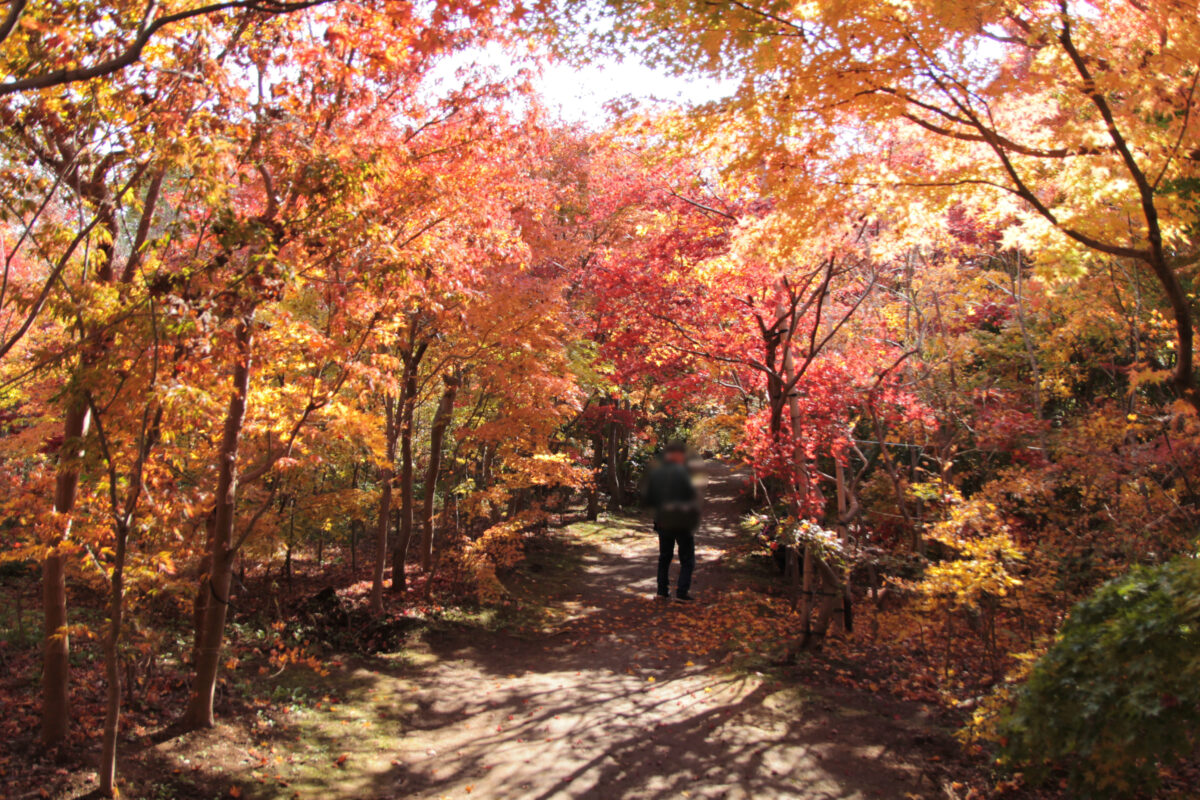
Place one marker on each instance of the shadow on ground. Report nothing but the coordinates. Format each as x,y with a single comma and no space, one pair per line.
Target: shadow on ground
591,706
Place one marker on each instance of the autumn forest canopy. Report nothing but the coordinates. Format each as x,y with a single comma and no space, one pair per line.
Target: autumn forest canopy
324,299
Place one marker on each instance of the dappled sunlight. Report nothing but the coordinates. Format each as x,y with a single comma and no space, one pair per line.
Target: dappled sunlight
595,732
603,704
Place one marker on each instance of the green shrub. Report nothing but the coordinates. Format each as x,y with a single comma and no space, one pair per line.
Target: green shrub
1119,693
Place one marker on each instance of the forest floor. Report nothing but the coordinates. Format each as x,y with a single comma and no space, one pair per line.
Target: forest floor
601,692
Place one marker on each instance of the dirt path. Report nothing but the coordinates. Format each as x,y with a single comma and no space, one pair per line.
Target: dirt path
592,707
599,709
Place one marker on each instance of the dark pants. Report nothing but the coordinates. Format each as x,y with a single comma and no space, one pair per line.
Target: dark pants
687,560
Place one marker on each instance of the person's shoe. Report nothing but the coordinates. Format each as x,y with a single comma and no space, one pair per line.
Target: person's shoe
662,598
683,598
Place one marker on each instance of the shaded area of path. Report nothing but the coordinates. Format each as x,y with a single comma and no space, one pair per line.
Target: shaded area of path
608,700
598,709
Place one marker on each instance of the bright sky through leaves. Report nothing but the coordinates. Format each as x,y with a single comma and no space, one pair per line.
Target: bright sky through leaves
581,93
585,92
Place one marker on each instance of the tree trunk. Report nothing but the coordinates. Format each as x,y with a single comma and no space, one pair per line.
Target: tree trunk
614,475
123,516
1035,367
412,363
383,517
624,458
355,532
56,643
844,517
485,469
199,713
399,552
200,605
441,420
833,598
791,573
807,595
593,508
811,635
289,545
112,673
893,473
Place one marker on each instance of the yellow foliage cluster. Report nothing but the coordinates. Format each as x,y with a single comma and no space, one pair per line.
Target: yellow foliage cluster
982,550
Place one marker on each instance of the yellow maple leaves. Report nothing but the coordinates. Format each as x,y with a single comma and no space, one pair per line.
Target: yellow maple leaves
982,553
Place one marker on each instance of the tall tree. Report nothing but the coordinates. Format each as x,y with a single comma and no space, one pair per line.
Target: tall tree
1044,106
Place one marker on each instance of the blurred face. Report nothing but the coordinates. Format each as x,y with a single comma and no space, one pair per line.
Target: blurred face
675,456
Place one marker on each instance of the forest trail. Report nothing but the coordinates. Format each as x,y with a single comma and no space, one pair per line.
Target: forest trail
599,708
607,701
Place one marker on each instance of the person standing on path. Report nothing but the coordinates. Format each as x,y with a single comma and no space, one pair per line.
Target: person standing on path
670,492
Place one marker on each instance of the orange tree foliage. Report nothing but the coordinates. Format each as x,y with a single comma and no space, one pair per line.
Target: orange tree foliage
204,255
277,275
1025,177
1077,118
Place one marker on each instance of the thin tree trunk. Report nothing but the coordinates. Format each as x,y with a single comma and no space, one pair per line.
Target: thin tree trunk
399,554
412,362
626,472
123,522
791,571
593,508
800,488
813,563
354,529
112,673
441,420
893,473
199,713
1030,352
843,528
807,596
56,644
383,515
289,544
123,517
614,476
832,598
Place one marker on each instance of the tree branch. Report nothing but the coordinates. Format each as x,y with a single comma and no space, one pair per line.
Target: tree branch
146,31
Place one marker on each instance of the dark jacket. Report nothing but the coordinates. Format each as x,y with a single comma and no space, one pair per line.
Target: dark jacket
670,492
